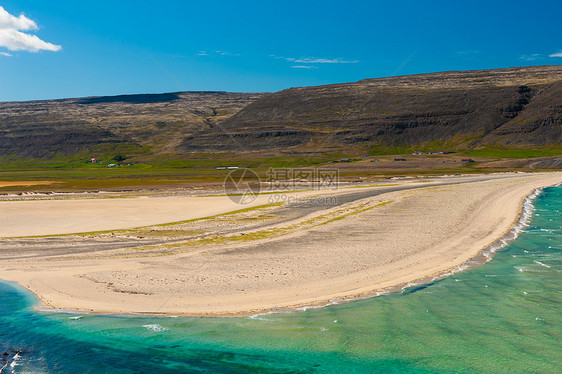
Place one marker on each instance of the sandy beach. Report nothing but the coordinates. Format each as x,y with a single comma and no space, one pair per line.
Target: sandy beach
25,183
267,258
56,217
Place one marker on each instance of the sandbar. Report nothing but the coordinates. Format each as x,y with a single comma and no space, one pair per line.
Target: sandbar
352,250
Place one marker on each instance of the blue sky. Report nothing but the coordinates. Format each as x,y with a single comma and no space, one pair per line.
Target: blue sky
90,48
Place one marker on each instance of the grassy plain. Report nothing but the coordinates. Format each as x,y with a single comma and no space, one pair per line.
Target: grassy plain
77,173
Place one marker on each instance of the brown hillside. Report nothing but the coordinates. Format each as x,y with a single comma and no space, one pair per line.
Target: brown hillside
511,107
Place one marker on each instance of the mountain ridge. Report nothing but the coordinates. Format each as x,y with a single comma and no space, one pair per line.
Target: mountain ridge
514,107
453,107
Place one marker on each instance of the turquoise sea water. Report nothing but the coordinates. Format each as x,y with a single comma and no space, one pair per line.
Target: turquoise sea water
501,317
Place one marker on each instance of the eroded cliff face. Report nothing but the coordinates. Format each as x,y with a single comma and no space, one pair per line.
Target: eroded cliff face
519,106
516,107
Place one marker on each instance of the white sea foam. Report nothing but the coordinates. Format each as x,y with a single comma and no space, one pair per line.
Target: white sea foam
262,316
308,307
520,226
409,285
449,273
155,328
540,263
15,359
259,317
331,302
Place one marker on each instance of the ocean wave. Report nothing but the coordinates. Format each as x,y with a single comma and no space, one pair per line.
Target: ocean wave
521,225
155,328
259,317
540,263
408,285
452,272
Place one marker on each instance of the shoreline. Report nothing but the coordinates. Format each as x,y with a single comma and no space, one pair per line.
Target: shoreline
481,257
478,260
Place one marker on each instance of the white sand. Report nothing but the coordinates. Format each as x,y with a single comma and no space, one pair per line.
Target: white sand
56,217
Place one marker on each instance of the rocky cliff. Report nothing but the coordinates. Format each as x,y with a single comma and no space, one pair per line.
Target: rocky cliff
516,107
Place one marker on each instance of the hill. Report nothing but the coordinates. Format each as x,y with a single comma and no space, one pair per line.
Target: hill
128,124
516,107
509,108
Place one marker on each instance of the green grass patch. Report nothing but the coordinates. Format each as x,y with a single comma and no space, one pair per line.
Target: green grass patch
272,232
245,210
502,152
459,145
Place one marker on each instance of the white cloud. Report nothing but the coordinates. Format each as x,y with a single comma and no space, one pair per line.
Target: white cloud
533,57
468,52
217,52
12,37
557,54
223,53
324,61
5,54
312,60
304,67
8,21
